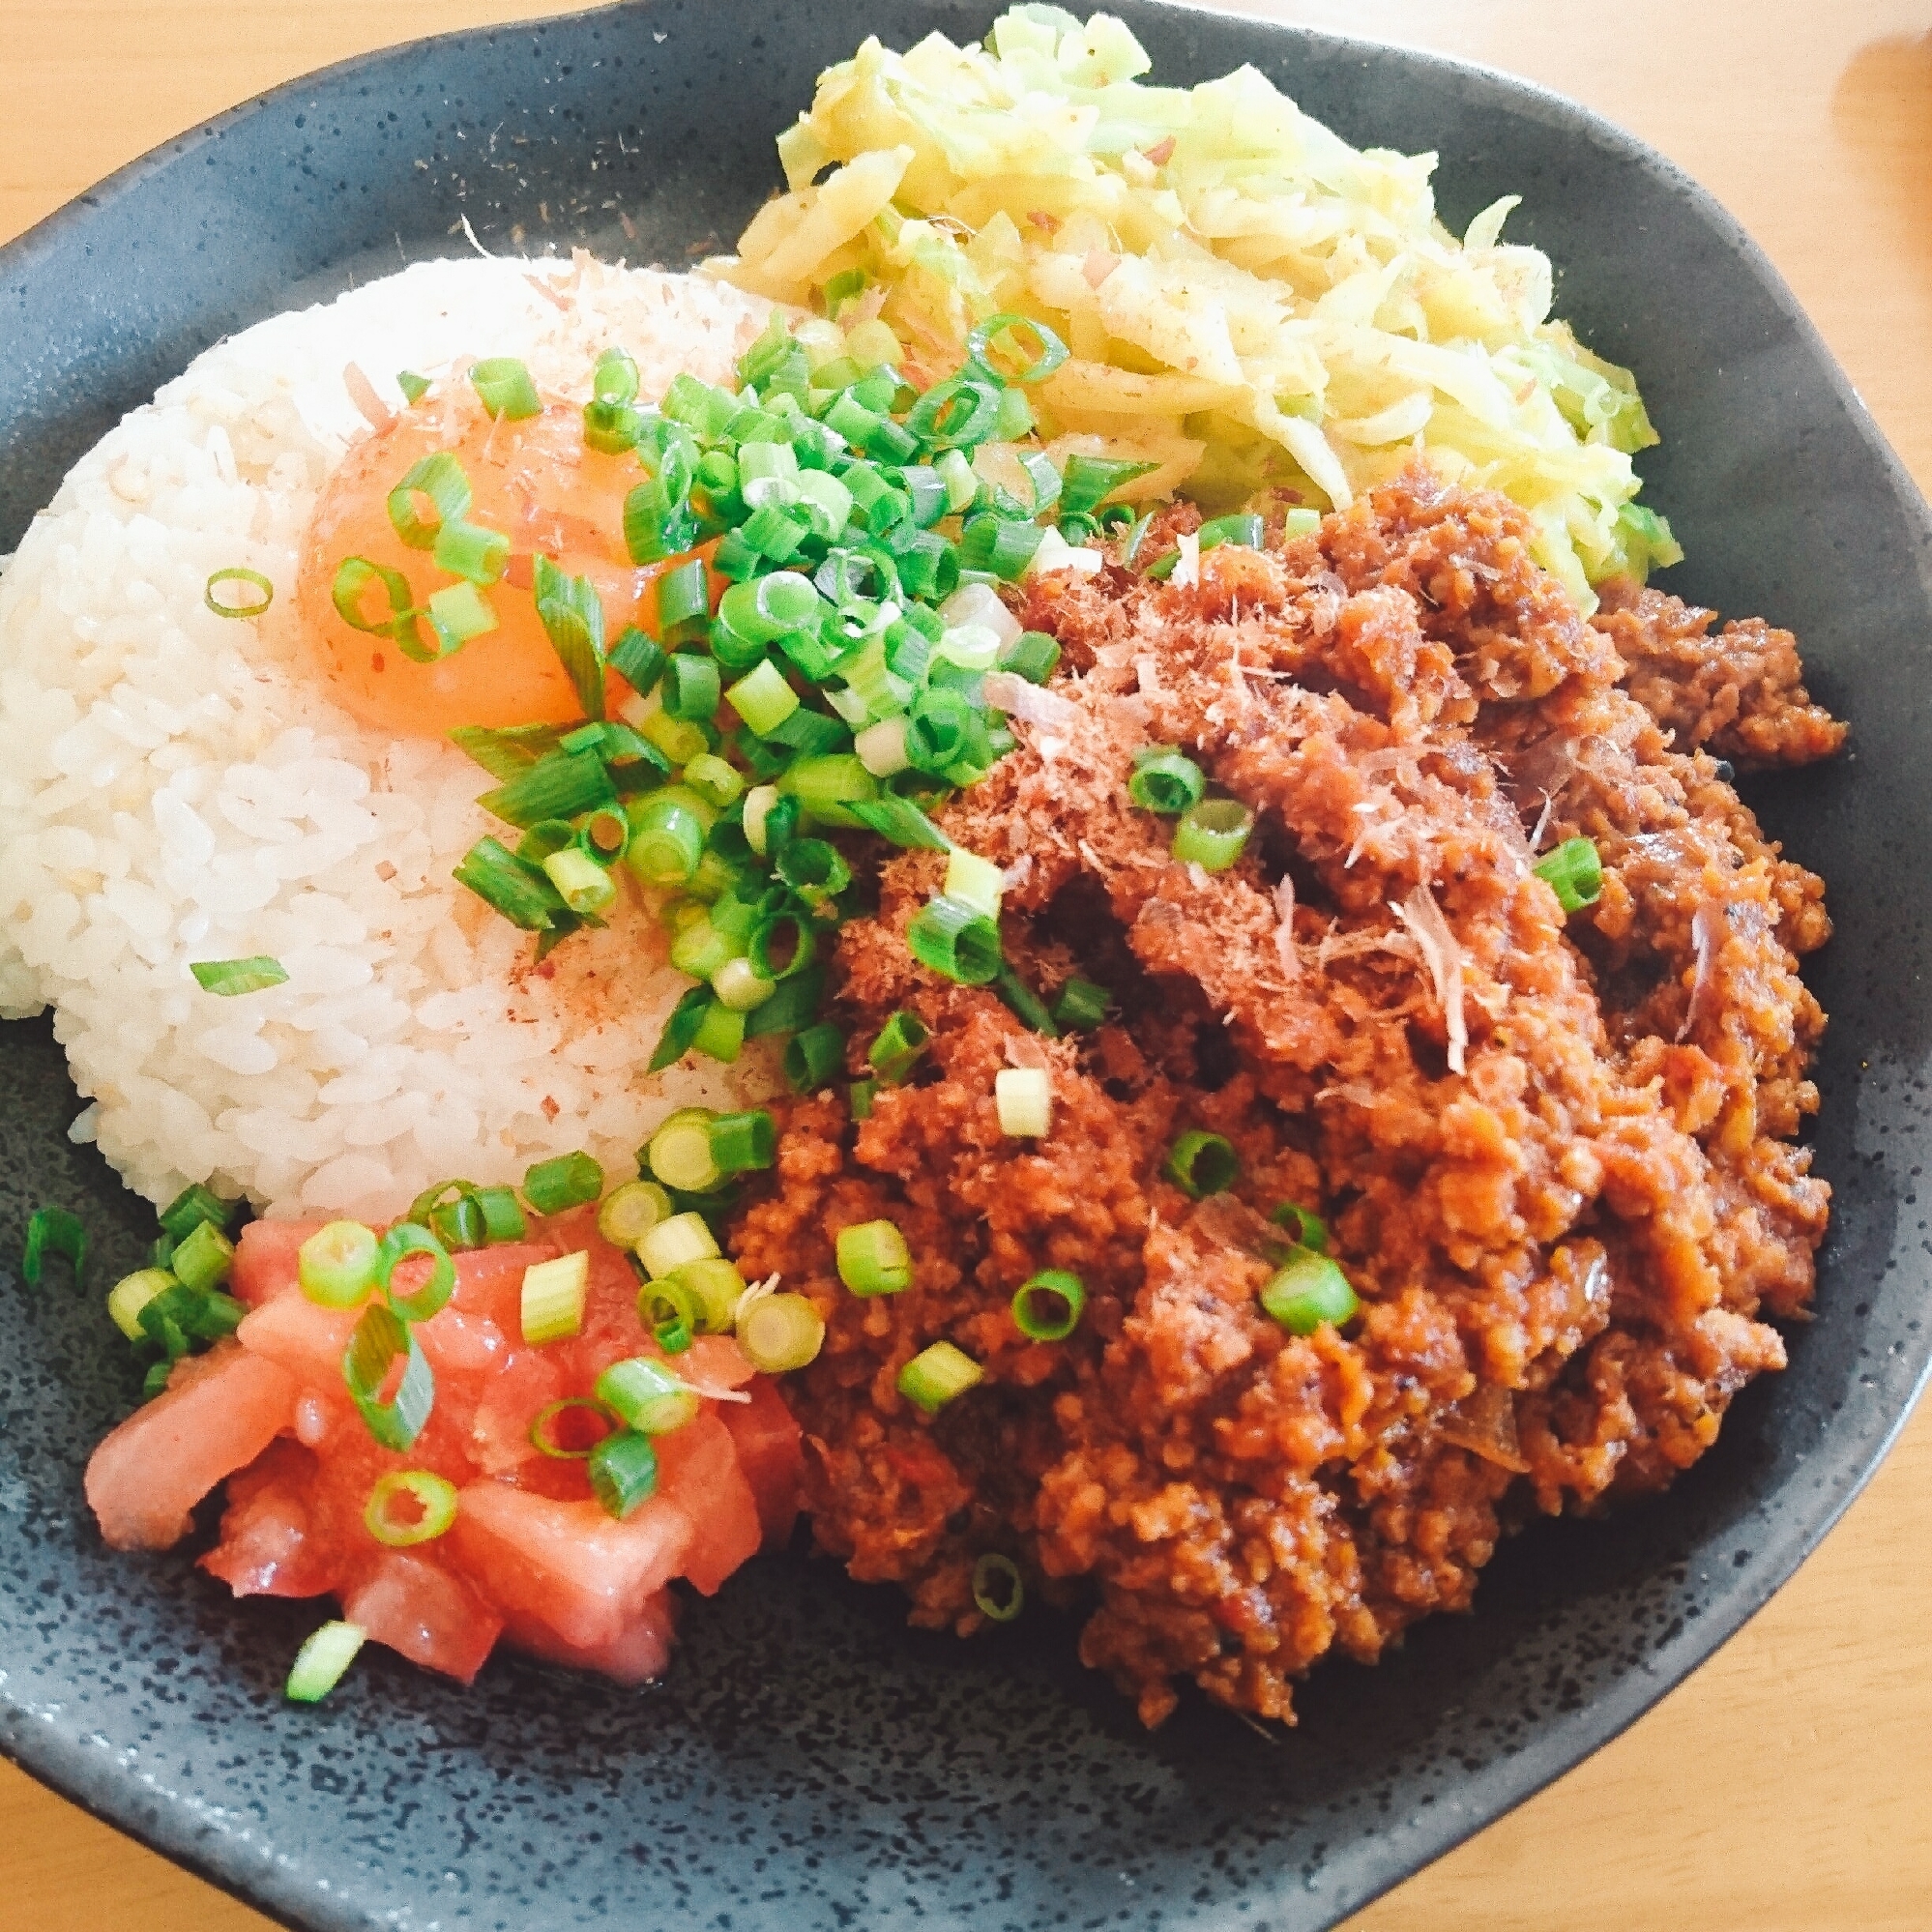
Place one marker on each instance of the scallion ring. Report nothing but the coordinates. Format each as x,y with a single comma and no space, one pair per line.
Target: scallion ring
998,1589
545,1437
1202,1164
404,1238
433,1496
1212,833
1047,1306
238,573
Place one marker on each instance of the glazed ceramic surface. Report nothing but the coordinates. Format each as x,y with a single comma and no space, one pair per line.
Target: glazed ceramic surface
809,1762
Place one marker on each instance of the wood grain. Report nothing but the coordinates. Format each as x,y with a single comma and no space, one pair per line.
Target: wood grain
1787,1787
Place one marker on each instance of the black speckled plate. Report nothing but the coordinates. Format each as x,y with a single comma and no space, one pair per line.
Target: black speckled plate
810,1763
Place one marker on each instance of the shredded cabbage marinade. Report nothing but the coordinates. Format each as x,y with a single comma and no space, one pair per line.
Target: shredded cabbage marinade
1251,303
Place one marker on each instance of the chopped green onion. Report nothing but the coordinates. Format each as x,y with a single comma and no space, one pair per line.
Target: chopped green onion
740,987
741,1143
560,784
1202,1164
404,1238
55,1230
544,1437
1307,1228
938,1374
666,839
623,1472
568,1180
320,1662
780,947
1033,656
1165,780
720,1034
1024,1099
646,1396
815,869
436,1499
503,1217
812,1056
228,978
713,1285
700,948
1574,872
456,613
675,1244
1301,522
1244,528
381,1339
1050,354
901,1040
680,1152
614,379
582,884
468,550
353,578
1047,1306
956,940
944,729
440,478
859,1096
901,821
1021,1001
572,614
205,1260
794,1005
827,785
336,1265
690,686
950,417
504,386
522,895
682,1028
873,1259
713,779
133,1293
973,882
780,1333
762,698
414,387
460,1224
193,1206
999,1592
811,735
1307,1292
1089,480
637,658
552,1302
994,543
238,573
628,1213
1212,833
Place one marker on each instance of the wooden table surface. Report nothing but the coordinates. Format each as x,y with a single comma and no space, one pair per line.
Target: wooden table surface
1787,1787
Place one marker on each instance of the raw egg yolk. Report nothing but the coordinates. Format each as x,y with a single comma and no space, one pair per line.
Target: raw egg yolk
533,481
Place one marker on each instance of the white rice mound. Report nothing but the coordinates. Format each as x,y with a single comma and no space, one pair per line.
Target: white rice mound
175,787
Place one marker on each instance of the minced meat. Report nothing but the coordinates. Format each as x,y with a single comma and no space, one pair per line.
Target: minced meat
1555,1152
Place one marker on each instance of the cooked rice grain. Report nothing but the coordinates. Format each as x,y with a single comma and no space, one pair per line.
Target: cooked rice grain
174,787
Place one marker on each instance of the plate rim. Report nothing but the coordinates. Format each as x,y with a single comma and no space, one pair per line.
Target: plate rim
244,1866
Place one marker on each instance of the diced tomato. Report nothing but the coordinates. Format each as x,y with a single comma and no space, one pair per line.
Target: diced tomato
461,1343
636,1654
526,1383
580,1573
698,1471
218,1414
713,1364
264,1259
416,1606
770,1455
301,1336
270,1542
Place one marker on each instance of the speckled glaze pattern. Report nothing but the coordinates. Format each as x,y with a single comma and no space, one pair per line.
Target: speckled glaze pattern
810,1763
